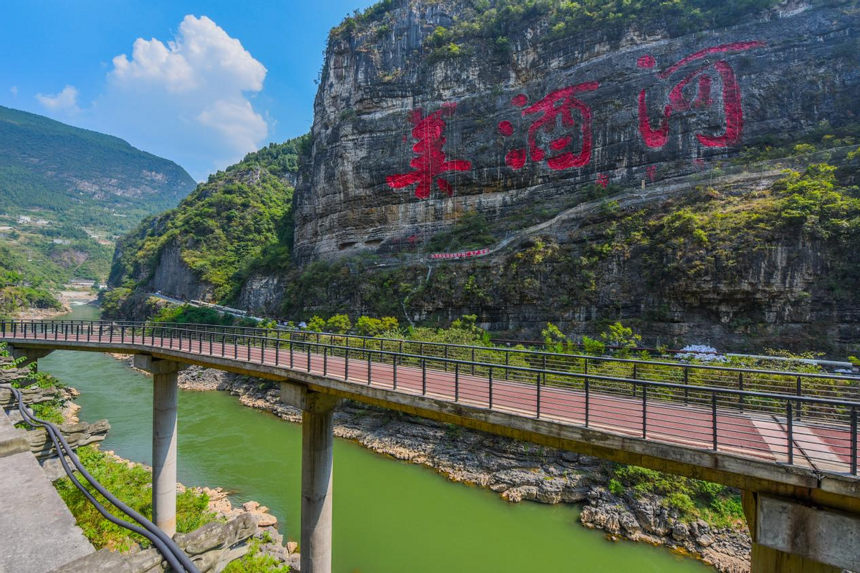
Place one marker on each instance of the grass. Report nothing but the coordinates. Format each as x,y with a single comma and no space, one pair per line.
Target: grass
256,562
132,485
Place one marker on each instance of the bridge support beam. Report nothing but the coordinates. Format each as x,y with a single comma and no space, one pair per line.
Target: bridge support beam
317,465
165,397
30,355
790,536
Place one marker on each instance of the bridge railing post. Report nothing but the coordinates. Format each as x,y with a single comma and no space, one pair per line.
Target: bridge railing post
854,440
644,411
714,419
799,393
790,431
587,385
490,380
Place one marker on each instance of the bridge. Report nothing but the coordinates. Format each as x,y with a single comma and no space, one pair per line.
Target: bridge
788,440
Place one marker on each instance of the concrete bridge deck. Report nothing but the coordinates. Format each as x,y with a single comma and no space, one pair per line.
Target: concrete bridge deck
764,449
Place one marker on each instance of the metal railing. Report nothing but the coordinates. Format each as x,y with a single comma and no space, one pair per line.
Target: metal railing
797,383
788,417
175,557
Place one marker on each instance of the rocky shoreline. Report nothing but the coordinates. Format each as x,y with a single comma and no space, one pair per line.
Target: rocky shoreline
516,470
272,541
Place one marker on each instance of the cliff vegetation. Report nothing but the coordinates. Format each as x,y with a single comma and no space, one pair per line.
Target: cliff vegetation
238,219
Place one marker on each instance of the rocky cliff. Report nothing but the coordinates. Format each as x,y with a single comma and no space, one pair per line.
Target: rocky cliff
533,163
238,222
424,114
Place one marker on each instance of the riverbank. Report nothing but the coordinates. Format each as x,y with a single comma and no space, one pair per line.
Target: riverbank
517,471
67,298
129,481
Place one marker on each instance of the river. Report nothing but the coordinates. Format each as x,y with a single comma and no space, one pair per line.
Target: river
389,516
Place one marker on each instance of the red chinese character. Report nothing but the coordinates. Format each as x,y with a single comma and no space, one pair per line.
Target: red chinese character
431,160
603,180
652,172
678,102
558,105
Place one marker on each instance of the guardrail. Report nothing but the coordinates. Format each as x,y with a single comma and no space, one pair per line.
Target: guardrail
787,425
811,384
175,557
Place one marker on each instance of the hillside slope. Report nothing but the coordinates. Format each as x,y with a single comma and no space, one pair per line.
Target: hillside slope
240,218
81,177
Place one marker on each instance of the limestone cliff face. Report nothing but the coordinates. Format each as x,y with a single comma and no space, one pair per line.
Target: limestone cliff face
397,129
173,275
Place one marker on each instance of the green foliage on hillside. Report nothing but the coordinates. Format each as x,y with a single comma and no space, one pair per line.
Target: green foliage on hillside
496,20
66,192
24,283
54,168
132,485
187,314
693,238
239,219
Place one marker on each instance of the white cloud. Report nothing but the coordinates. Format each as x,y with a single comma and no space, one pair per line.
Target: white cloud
187,98
65,101
14,91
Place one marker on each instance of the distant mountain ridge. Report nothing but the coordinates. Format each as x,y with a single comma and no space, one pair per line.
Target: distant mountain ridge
85,177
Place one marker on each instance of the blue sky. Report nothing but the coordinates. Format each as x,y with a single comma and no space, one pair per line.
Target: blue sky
201,83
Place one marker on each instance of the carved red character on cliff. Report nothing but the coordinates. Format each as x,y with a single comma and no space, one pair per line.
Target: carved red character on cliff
557,107
431,161
678,101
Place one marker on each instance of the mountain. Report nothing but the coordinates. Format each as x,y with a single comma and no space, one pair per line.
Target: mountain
240,218
73,176
66,194
689,168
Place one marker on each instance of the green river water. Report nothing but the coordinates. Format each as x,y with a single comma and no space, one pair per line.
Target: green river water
389,516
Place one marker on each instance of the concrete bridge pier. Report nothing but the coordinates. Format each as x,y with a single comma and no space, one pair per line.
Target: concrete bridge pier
30,355
164,416
790,536
317,465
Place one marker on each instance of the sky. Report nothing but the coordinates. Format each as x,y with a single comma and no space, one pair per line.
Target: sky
199,82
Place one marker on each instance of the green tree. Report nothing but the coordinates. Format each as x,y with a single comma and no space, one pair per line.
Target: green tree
338,324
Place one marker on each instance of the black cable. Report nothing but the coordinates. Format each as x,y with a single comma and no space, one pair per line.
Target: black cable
175,557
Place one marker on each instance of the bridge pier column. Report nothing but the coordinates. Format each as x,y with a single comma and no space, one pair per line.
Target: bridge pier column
317,468
30,355
790,536
165,397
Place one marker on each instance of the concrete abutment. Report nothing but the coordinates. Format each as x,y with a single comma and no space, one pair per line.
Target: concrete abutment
792,536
